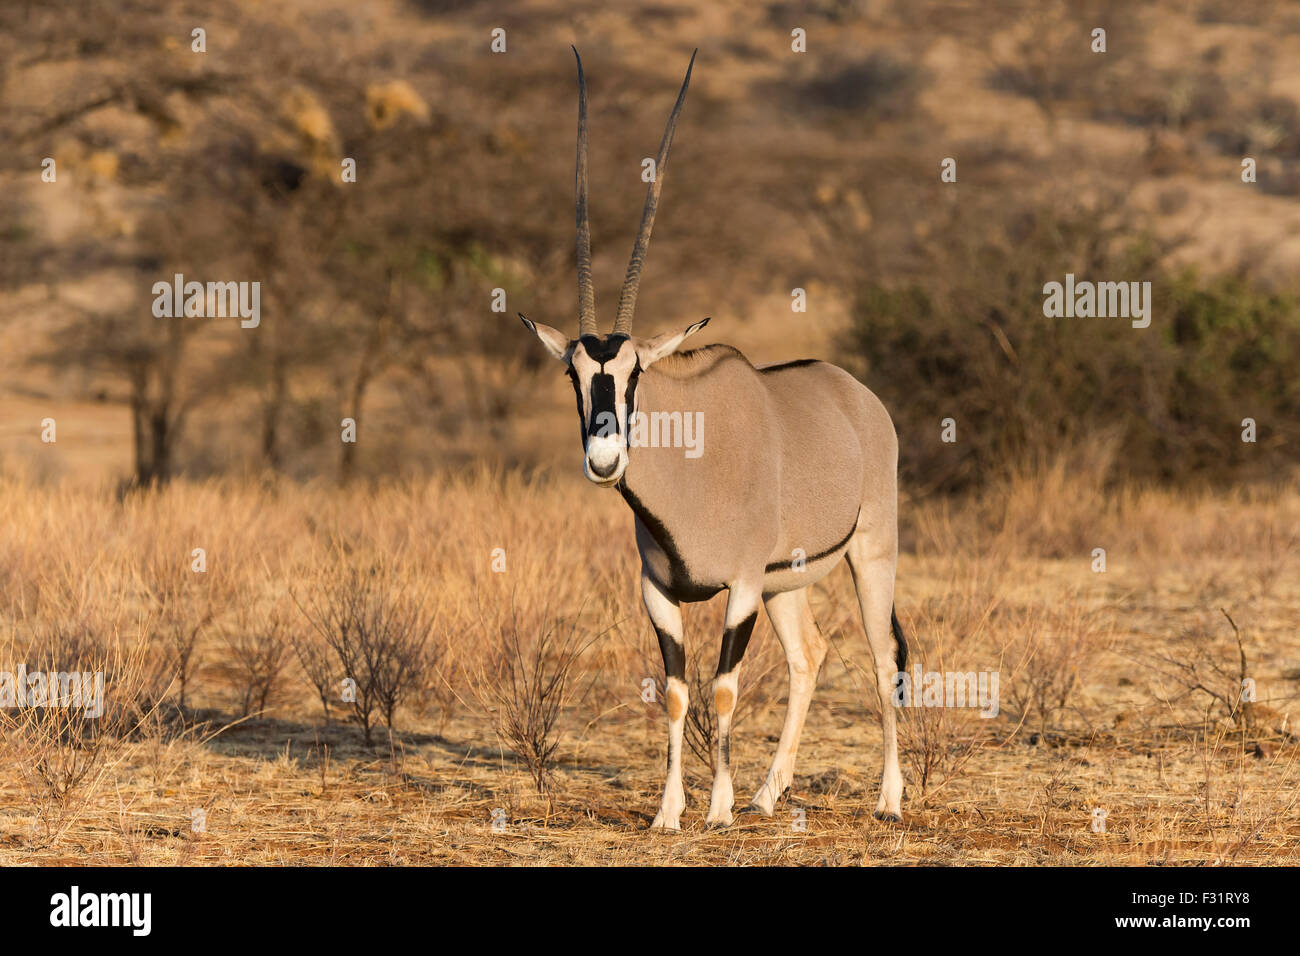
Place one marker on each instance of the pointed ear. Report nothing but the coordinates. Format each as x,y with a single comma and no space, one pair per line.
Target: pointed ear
649,351
556,342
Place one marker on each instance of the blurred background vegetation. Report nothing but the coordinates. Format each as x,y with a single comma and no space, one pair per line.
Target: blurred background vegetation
817,171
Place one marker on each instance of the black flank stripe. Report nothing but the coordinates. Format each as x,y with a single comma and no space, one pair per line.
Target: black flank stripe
786,565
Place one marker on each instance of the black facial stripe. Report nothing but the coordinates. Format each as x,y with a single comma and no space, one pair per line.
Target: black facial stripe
603,412
602,405
577,391
629,393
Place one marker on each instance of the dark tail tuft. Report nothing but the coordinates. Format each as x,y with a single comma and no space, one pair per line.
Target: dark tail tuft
899,639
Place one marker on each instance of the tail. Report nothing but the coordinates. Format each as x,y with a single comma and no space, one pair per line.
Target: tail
899,639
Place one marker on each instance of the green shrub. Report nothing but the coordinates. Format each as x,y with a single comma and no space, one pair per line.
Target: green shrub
969,341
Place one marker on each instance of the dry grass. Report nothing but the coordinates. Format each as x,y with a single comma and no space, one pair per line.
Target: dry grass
1090,716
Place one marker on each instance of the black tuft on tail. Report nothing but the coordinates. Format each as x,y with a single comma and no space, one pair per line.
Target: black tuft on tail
899,639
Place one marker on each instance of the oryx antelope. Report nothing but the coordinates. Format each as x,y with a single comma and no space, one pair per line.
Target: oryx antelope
799,471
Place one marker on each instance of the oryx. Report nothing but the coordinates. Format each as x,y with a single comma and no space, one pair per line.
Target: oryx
799,470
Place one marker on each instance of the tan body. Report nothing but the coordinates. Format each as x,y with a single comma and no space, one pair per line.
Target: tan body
791,455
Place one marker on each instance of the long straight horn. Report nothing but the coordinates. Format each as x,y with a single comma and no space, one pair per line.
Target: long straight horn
586,289
627,299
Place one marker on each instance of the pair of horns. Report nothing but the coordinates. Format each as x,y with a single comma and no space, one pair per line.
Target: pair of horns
586,289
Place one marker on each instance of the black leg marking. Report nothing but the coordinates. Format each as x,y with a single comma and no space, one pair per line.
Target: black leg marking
674,655
734,641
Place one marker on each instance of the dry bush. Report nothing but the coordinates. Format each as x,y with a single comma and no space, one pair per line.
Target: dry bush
317,664
761,679
1053,649
257,651
937,742
954,633
1217,676
80,613
84,697
439,689
180,622
1047,56
183,602
378,632
701,729
526,687
762,673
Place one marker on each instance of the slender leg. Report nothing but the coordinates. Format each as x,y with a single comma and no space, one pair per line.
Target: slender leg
805,649
742,611
873,564
666,616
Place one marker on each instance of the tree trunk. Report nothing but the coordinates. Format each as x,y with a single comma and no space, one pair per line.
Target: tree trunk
273,411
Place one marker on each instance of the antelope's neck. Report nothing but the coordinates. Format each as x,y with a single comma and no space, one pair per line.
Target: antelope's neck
662,404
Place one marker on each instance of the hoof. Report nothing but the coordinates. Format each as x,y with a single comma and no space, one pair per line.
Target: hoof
888,817
761,811
665,827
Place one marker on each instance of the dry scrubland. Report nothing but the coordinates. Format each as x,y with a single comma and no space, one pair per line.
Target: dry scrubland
1114,686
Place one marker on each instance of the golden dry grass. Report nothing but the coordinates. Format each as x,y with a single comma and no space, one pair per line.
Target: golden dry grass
1096,711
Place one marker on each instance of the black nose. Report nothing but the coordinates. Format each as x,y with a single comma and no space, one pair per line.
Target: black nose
602,472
